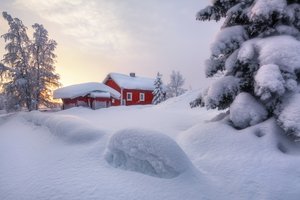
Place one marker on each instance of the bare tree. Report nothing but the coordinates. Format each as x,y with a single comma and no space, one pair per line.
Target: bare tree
174,88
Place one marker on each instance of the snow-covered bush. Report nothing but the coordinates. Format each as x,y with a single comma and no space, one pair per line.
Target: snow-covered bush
247,111
258,49
147,152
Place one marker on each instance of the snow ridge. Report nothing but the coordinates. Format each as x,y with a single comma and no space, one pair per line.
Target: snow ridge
69,128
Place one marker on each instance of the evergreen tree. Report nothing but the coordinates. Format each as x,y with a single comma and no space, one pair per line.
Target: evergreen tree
45,78
158,93
257,51
18,89
28,67
174,88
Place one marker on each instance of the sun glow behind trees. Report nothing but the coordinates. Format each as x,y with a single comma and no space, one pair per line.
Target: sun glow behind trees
130,36
29,71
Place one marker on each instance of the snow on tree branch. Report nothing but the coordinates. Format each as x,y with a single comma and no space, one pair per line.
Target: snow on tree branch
31,72
258,46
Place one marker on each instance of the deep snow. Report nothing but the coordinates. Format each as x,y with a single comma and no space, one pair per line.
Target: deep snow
49,156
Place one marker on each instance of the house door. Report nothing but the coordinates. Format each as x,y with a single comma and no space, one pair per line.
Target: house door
99,104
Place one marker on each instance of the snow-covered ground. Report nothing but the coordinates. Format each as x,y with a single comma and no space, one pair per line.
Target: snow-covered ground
168,151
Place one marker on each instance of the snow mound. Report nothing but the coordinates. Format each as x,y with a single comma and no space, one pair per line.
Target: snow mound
247,111
69,128
147,152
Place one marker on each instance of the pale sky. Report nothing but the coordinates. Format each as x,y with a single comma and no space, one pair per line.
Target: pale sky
96,37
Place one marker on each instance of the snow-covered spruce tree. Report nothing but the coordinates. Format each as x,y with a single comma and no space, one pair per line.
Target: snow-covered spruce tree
174,88
28,75
18,90
158,92
42,60
258,52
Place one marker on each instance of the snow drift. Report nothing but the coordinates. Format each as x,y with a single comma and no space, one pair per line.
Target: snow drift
147,152
5,117
258,162
253,163
180,102
69,128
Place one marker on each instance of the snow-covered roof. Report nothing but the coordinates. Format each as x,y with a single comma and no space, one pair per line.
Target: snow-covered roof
129,82
83,89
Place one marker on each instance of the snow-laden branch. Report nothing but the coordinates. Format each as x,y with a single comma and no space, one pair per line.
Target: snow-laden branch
4,68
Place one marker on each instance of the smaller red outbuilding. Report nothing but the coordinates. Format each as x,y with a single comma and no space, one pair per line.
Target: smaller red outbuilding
134,90
94,95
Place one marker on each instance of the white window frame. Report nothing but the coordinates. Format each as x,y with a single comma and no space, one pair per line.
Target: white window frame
127,96
142,96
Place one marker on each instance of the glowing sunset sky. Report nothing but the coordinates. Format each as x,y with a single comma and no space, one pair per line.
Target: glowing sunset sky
96,37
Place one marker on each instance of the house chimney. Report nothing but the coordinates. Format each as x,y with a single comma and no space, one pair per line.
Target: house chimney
132,74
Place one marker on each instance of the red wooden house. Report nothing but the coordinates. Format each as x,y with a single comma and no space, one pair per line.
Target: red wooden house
93,95
134,90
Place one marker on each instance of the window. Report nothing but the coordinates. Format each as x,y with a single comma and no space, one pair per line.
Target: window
129,96
142,96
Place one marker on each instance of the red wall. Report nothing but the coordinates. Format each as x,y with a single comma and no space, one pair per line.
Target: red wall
115,86
75,100
68,102
135,95
115,102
